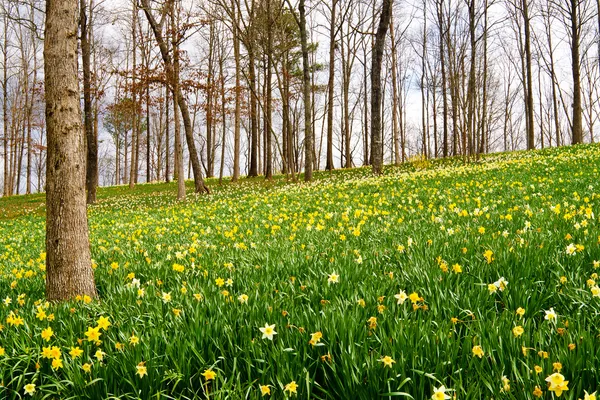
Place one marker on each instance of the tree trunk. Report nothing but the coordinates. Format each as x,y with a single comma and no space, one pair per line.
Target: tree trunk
167,144
68,262
395,127
223,118
443,32
183,106
237,117
376,58
253,169
6,190
268,106
577,107
330,83
424,108
135,117
529,84
306,91
176,89
471,91
91,169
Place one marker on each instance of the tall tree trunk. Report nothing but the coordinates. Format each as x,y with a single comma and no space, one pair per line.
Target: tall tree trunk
176,89
167,144
330,89
253,169
377,56
577,136
237,117
210,134
268,100
484,100
223,118
424,108
395,128
366,152
471,90
6,186
346,76
443,32
135,117
529,84
68,262
91,169
306,91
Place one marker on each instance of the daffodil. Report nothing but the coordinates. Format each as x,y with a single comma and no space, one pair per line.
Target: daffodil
141,369
291,388
209,374
440,393
265,390
333,278
387,361
29,389
268,331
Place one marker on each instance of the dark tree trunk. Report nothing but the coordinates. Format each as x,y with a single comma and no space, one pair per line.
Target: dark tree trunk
529,84
377,56
91,175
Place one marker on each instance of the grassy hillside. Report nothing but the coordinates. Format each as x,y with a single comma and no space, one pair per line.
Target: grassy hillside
480,278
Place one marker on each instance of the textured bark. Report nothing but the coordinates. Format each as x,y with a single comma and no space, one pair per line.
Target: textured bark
306,91
377,56
68,263
91,169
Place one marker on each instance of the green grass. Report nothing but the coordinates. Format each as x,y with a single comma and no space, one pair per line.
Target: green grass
280,242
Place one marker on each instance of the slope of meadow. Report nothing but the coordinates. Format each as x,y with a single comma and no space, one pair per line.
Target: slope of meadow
480,278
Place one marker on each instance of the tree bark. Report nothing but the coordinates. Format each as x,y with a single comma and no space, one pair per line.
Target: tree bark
529,67
376,58
91,169
306,91
329,164
68,262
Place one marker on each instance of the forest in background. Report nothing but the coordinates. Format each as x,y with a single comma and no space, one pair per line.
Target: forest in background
460,78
